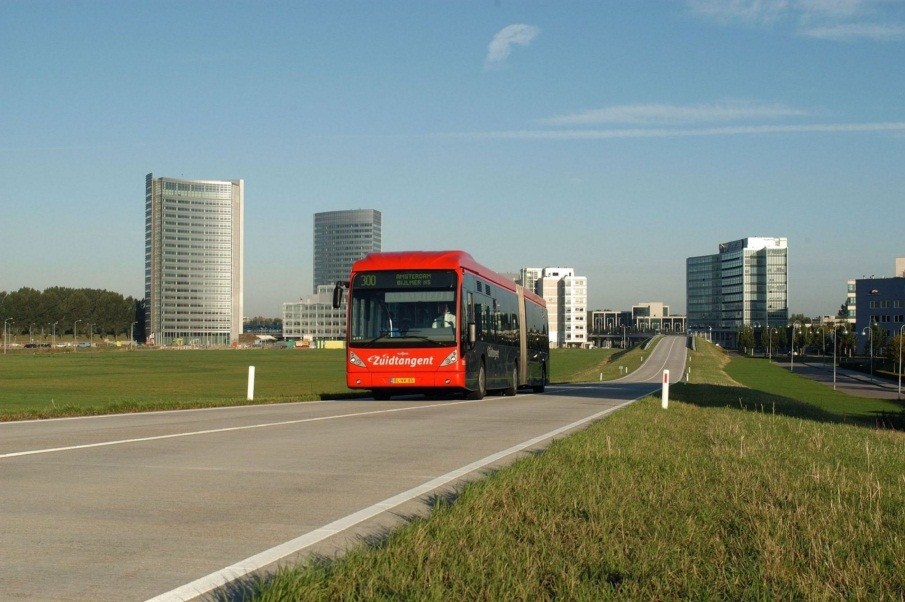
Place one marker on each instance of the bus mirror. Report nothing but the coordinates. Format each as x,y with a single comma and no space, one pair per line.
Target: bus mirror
472,334
338,294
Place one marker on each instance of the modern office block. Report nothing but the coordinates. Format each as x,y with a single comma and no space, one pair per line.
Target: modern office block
567,298
193,261
745,284
314,318
340,239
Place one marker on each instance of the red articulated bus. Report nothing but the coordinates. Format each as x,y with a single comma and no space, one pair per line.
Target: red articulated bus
438,322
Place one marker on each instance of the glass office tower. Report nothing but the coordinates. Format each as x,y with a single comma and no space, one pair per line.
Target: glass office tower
342,238
745,284
193,261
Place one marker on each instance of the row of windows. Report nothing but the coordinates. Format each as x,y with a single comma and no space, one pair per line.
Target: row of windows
887,318
886,304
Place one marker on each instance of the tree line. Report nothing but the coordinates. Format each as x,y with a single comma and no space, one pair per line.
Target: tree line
62,310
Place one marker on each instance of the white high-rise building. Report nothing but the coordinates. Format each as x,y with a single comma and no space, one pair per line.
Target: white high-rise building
193,261
567,299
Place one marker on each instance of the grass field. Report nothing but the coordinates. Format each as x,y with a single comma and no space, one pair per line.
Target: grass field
65,384
716,499
43,385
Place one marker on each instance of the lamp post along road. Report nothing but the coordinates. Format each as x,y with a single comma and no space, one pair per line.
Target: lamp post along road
901,336
870,331
793,326
835,344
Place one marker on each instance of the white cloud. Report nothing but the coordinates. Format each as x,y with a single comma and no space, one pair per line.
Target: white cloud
743,11
878,20
648,114
501,46
880,33
895,127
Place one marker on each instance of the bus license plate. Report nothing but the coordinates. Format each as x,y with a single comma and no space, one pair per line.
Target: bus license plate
402,381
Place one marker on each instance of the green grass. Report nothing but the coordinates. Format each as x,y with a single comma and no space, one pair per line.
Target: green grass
753,384
44,385
706,500
584,365
86,382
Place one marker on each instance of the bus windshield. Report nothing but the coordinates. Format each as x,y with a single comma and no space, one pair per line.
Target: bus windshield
403,309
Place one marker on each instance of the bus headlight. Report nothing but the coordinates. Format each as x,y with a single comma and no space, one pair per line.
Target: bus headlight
355,360
450,359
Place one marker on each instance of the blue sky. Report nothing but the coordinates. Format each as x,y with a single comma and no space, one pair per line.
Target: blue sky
618,138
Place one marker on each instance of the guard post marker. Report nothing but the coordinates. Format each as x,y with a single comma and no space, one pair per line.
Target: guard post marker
665,400
251,383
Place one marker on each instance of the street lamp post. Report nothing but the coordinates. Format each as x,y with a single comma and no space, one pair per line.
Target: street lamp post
901,336
75,338
54,335
870,331
835,344
793,326
132,335
6,333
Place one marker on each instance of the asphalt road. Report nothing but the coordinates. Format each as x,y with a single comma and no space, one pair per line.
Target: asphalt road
173,504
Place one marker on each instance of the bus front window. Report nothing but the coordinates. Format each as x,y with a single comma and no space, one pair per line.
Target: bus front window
382,318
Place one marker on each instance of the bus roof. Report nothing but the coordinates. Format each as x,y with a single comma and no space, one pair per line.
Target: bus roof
435,260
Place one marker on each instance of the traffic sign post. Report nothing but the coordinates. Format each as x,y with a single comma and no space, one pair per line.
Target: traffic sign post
665,400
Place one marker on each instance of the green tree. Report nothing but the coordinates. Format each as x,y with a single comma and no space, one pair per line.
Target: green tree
746,339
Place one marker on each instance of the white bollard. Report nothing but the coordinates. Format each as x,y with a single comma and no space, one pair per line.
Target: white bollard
665,401
251,383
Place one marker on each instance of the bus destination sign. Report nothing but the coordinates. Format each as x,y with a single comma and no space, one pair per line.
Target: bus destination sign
444,279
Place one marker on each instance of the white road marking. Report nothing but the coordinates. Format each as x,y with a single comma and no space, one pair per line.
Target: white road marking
242,568
51,450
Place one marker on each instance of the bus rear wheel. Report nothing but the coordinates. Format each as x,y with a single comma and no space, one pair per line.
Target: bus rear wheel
543,381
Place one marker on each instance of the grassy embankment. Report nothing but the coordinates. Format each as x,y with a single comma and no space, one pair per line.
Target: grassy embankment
733,493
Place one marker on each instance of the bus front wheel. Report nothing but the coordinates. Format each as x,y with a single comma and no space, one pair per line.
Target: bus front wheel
480,389
513,383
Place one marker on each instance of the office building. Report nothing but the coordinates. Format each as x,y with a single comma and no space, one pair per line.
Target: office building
881,308
193,261
567,298
744,284
656,317
340,239
314,318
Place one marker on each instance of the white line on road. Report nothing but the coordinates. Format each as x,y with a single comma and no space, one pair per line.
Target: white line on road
50,450
240,569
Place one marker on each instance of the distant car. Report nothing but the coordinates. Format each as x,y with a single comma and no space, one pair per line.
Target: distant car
84,345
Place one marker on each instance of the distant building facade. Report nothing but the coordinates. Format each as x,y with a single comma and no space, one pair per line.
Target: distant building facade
881,307
655,317
744,284
567,298
340,239
314,318
194,269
